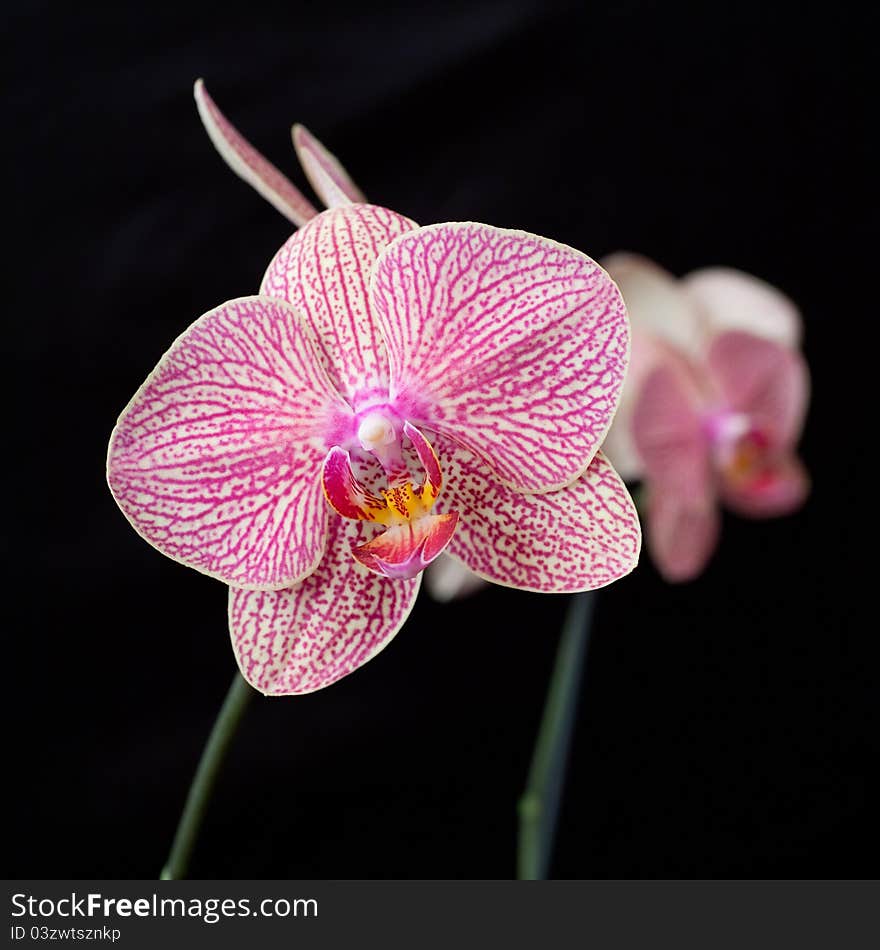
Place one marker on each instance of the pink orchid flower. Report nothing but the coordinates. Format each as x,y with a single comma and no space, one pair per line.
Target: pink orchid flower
713,406
392,391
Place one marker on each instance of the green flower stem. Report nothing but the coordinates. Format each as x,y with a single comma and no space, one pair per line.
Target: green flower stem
224,730
539,805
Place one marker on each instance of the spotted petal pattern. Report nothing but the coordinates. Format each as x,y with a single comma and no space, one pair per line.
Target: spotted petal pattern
324,271
249,164
302,639
581,537
332,183
217,459
511,344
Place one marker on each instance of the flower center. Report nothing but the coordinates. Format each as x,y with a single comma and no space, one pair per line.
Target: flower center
376,430
414,536
739,449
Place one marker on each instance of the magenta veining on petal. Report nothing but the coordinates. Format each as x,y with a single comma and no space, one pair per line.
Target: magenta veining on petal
471,371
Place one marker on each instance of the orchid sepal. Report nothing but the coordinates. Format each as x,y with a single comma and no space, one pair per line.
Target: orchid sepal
325,173
305,638
249,164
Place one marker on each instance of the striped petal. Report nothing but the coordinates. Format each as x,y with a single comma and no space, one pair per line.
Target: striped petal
216,461
763,379
249,164
581,537
511,344
728,299
331,181
305,638
324,271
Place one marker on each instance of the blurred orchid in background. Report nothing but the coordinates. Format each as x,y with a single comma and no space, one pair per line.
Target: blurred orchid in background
509,350
713,405
712,409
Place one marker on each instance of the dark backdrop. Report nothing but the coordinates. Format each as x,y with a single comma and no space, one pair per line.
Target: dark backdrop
727,727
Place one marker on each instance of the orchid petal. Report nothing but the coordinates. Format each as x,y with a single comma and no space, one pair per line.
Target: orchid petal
323,271
777,489
581,537
619,445
448,579
404,550
305,638
732,300
344,493
511,344
682,532
655,303
249,164
216,461
429,462
668,430
332,183
765,380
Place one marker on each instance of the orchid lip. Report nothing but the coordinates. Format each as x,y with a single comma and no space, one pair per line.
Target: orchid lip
739,448
405,550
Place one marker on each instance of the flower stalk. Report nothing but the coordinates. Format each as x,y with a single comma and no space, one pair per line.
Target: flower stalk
540,802
225,727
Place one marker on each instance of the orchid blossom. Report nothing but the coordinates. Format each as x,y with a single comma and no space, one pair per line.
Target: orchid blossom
713,407
390,393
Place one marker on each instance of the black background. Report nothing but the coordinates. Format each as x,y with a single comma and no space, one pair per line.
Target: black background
727,727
